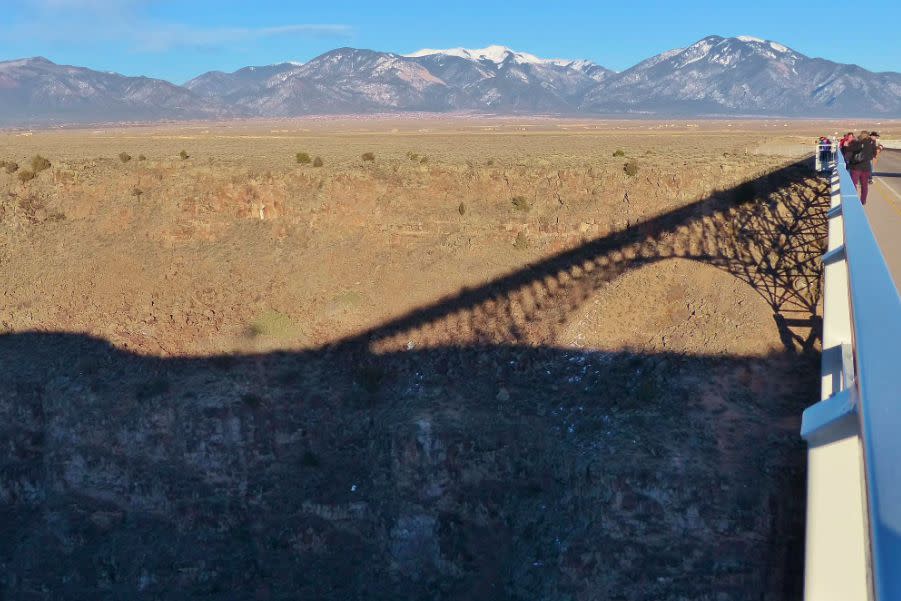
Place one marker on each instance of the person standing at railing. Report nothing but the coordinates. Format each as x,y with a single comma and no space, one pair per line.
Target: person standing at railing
860,154
825,146
874,135
843,145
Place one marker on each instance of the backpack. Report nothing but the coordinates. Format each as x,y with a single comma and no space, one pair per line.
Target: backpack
857,157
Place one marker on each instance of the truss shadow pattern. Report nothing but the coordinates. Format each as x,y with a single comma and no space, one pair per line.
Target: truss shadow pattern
769,233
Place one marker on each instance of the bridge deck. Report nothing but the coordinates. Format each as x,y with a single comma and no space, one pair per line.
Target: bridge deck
884,210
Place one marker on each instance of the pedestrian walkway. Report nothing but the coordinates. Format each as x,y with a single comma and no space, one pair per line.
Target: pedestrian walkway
884,210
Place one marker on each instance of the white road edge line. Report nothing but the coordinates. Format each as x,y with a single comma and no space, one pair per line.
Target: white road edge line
892,190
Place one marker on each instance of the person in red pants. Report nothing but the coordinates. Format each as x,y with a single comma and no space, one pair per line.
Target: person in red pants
860,154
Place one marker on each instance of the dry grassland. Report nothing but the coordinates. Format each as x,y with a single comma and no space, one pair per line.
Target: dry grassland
239,247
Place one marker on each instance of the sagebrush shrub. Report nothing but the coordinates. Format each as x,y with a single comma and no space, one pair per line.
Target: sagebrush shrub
124,157
370,377
39,163
317,162
521,203
631,168
521,242
141,157
252,399
619,153
184,155
303,158
272,323
309,459
26,175
12,167
368,156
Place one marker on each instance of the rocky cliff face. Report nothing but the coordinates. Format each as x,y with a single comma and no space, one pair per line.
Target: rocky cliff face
493,473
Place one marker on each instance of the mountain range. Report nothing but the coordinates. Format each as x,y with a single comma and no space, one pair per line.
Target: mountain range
716,76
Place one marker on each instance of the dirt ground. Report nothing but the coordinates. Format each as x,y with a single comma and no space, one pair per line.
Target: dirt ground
505,359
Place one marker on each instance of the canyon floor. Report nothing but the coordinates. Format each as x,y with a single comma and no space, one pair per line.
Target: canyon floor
450,359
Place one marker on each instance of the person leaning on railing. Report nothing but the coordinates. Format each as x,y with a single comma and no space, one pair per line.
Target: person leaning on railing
859,156
843,144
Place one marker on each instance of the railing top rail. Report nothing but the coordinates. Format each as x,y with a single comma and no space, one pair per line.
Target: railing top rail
876,319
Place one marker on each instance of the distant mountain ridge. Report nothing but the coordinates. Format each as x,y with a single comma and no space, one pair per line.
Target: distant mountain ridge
746,76
716,76
36,90
350,80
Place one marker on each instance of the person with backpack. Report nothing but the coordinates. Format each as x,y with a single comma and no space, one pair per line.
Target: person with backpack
860,154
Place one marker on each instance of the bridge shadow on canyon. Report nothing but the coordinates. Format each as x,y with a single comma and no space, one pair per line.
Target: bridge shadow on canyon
455,452
768,232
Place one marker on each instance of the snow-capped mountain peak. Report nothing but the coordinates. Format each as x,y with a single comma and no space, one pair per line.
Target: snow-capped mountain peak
728,51
495,53
744,75
773,45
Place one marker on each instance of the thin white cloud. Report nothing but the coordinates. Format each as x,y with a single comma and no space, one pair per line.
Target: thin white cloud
126,21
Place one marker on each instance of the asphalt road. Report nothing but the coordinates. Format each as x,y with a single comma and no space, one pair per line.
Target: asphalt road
884,209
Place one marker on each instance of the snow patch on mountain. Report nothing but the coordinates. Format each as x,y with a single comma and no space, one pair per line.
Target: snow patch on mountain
696,52
774,45
496,54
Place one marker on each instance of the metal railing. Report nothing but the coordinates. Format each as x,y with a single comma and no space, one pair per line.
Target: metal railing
853,546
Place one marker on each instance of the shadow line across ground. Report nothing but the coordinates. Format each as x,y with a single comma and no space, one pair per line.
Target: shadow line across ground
453,453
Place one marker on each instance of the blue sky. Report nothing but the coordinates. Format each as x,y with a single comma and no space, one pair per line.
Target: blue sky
178,39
